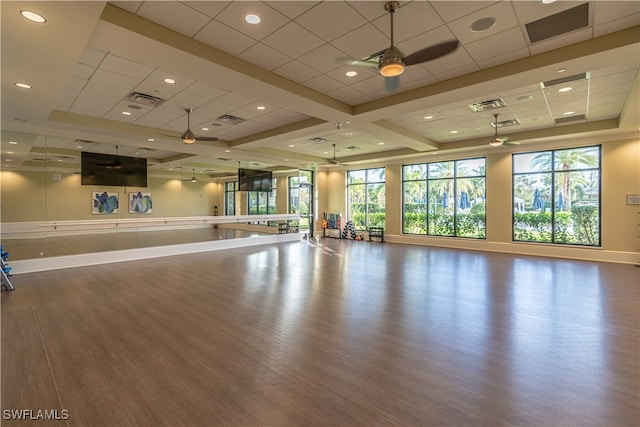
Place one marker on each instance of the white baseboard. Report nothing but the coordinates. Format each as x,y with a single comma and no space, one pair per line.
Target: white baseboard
70,261
533,249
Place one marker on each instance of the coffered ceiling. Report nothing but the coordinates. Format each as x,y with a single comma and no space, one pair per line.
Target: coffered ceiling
277,95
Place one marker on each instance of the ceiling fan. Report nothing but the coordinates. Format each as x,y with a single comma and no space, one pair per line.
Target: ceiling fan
188,137
334,161
193,177
392,61
496,140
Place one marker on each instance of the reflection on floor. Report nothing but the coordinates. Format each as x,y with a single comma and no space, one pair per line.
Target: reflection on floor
328,333
22,249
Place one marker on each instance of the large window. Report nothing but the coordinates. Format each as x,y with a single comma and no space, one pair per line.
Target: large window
556,196
366,198
444,198
261,202
230,197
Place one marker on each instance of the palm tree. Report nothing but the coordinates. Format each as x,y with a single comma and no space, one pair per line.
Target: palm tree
567,160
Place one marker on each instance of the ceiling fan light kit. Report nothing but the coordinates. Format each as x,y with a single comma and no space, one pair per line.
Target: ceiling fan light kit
188,137
393,62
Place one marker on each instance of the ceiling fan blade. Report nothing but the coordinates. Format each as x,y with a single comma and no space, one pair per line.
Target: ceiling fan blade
510,143
206,138
391,84
431,52
360,62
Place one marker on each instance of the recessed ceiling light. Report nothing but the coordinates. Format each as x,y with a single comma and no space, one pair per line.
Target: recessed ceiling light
261,107
286,160
548,1
150,139
126,113
8,160
252,18
351,73
13,142
169,81
79,146
227,151
23,85
454,131
483,24
9,152
428,117
380,143
561,70
568,113
33,16
291,145
524,98
565,89
205,128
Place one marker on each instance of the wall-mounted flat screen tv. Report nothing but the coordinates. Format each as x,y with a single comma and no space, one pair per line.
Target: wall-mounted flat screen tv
254,180
113,170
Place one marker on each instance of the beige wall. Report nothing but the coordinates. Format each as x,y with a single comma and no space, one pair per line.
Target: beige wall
35,196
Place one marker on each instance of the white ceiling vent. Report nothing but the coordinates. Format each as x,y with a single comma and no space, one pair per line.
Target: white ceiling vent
144,99
576,118
317,140
229,119
559,23
506,123
491,104
563,80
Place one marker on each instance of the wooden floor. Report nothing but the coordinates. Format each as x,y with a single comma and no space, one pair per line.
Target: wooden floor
342,333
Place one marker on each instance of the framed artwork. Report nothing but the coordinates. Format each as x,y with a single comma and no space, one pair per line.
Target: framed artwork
140,203
104,203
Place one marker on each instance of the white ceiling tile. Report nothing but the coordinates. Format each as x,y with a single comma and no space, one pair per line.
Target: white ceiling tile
292,9
362,42
410,20
452,10
92,57
293,40
503,58
449,74
89,108
174,15
560,41
102,93
225,38
82,71
154,84
130,6
373,86
454,61
270,19
339,74
345,94
330,20
606,11
323,83
264,57
616,25
234,100
324,58
297,71
125,67
209,8
371,10
502,12
509,41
